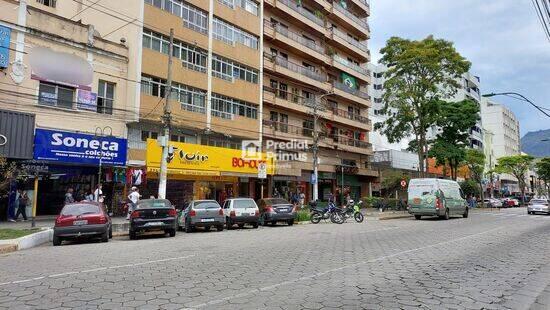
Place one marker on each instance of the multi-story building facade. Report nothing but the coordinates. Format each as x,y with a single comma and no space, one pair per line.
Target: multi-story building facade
315,53
470,90
77,85
501,121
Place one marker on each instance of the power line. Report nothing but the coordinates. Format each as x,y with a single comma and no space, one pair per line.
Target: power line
544,22
84,9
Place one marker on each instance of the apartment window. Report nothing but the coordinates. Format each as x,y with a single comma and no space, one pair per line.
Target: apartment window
192,57
50,3
191,99
177,138
295,94
378,75
230,34
56,95
283,91
229,3
378,86
153,86
249,6
227,69
284,122
227,107
307,128
105,97
377,100
194,18
308,66
146,134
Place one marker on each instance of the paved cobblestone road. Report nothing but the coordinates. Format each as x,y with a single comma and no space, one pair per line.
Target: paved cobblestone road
498,260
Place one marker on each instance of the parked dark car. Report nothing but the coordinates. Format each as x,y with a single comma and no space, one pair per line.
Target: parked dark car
274,210
201,213
82,220
153,215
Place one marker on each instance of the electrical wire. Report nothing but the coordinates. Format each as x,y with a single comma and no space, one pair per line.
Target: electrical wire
84,9
544,22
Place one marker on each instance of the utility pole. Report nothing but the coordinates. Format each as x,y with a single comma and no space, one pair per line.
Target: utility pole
316,148
166,118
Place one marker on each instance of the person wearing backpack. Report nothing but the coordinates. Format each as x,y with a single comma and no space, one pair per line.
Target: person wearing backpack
22,205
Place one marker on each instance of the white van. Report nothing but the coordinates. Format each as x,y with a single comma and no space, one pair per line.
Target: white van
436,197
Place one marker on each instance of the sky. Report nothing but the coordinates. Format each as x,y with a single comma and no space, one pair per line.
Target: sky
503,39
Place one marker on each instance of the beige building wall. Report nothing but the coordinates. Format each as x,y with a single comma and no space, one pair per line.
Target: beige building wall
42,28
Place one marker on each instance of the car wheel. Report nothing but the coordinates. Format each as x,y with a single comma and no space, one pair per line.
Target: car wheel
255,225
132,235
56,241
105,237
418,217
172,232
241,226
111,232
290,222
465,215
219,227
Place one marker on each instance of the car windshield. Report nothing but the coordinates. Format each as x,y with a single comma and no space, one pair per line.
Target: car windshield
80,209
153,203
419,190
244,203
206,205
276,201
539,202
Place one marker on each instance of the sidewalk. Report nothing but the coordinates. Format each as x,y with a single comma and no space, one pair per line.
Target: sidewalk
119,223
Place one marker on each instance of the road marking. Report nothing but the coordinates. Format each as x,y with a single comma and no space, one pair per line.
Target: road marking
57,275
270,287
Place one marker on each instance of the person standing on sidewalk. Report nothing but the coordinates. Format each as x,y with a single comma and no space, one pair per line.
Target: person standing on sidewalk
12,204
69,196
22,205
134,198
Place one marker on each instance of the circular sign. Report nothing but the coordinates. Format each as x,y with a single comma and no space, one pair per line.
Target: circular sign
403,183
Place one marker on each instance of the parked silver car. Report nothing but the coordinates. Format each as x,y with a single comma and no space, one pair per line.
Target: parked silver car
538,206
492,203
201,213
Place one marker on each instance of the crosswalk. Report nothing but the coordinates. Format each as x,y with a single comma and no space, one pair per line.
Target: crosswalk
512,215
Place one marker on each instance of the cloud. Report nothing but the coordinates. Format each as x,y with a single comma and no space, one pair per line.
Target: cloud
502,38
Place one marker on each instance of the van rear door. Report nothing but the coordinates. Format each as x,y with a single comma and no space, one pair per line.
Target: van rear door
422,194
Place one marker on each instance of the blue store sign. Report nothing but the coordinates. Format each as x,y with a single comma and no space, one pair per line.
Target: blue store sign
5,36
70,147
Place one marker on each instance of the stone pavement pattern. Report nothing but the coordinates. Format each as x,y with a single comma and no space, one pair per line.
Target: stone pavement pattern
497,260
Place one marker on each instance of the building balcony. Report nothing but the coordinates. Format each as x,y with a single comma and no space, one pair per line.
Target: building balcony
288,101
344,65
284,131
296,42
352,145
351,119
349,94
300,14
359,24
350,45
298,73
363,5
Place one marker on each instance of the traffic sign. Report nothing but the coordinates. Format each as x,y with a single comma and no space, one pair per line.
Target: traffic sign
262,171
403,183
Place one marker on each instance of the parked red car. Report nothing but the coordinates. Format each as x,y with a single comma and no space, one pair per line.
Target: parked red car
82,220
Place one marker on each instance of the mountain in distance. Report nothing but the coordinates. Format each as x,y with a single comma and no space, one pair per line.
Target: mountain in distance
532,143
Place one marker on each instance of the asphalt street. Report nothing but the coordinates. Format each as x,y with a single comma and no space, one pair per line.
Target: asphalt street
491,260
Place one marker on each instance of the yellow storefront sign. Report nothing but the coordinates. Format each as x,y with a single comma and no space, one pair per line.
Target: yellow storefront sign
196,159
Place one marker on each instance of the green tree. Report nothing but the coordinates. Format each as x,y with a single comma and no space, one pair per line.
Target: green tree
543,171
475,161
420,75
516,165
449,146
391,181
470,188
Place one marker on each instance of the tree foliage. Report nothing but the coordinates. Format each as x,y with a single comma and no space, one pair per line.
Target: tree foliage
516,165
475,161
470,188
543,171
420,75
391,181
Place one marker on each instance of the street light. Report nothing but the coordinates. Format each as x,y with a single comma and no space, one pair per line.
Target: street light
522,98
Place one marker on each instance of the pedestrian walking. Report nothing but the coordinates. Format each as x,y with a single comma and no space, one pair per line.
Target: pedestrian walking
134,198
12,204
98,193
69,196
22,205
302,197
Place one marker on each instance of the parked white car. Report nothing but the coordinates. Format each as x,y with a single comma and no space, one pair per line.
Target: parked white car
241,211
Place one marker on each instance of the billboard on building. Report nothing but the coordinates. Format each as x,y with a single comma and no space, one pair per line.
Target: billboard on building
78,148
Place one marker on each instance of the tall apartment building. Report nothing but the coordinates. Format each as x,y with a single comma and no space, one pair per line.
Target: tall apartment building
315,53
470,89
504,126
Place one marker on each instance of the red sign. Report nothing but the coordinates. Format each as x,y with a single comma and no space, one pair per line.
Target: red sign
403,183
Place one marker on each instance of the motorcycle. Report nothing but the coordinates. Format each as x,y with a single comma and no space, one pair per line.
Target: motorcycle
354,209
330,212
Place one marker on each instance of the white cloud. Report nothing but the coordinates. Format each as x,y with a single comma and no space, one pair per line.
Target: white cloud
503,39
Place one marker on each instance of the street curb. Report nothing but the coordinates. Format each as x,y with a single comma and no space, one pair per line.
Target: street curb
26,242
394,217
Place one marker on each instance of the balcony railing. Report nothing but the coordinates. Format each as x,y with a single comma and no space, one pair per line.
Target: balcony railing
294,6
353,91
351,116
351,65
295,98
286,128
350,15
283,62
296,37
344,140
350,40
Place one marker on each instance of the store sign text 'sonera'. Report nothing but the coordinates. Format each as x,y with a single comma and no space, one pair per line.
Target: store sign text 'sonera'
70,147
203,160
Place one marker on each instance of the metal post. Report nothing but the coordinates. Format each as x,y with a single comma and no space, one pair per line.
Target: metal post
34,200
316,148
166,119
